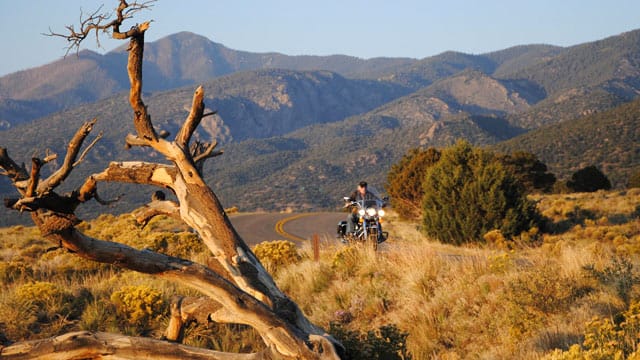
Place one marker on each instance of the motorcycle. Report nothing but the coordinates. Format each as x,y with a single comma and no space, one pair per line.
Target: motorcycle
367,218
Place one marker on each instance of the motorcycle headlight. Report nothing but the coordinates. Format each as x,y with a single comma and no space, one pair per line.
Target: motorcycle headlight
361,212
381,213
371,211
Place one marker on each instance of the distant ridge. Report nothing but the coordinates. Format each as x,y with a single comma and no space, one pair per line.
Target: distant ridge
185,59
171,62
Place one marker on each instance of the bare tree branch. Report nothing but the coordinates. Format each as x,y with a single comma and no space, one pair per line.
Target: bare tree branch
193,120
87,149
132,140
101,22
246,309
101,201
200,152
72,152
186,309
155,208
14,172
36,165
138,172
49,157
142,120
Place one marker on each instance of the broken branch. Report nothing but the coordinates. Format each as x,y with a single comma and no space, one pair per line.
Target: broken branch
87,149
36,165
193,120
69,161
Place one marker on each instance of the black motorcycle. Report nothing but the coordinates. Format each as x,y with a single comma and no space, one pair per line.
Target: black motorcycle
367,217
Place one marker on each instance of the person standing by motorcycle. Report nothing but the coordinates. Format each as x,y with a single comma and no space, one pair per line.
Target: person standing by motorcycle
360,194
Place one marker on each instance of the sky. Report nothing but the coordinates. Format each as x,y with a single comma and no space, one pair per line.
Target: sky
361,28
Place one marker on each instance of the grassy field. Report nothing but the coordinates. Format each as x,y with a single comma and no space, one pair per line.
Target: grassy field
570,295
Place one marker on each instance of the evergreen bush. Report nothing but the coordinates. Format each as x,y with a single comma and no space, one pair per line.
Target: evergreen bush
530,171
468,193
589,179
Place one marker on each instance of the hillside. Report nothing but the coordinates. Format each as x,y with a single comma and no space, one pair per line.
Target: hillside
611,63
566,105
250,105
606,139
501,64
477,93
171,62
521,57
349,130
426,71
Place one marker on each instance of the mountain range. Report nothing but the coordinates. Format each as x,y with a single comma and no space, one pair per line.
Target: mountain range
299,131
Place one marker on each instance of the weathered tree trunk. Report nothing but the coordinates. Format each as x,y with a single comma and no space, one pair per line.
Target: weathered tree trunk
106,346
241,289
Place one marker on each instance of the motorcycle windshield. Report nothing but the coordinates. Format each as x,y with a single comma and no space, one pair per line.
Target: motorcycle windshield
371,200
370,204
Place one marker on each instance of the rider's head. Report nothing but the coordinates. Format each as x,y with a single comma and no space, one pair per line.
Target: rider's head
362,187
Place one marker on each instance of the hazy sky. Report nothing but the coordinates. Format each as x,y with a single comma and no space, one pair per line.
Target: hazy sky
366,29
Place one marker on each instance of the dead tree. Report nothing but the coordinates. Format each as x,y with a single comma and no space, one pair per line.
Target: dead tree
237,287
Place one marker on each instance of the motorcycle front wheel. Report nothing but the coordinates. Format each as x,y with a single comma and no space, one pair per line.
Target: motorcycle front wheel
372,239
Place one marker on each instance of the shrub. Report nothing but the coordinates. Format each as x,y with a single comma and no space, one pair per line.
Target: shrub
346,260
543,290
404,181
184,244
50,298
619,275
275,254
53,308
468,193
495,239
531,172
607,338
139,305
98,315
18,318
386,343
11,271
588,179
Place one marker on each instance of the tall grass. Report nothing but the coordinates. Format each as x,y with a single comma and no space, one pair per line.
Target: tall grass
453,302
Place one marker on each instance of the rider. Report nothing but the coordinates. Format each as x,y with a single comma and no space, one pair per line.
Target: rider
361,194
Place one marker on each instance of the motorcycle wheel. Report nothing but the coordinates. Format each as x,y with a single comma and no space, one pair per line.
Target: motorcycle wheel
372,240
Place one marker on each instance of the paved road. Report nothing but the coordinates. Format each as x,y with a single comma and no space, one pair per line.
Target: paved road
258,227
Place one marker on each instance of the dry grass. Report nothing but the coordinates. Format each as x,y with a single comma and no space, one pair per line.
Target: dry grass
454,302
480,302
